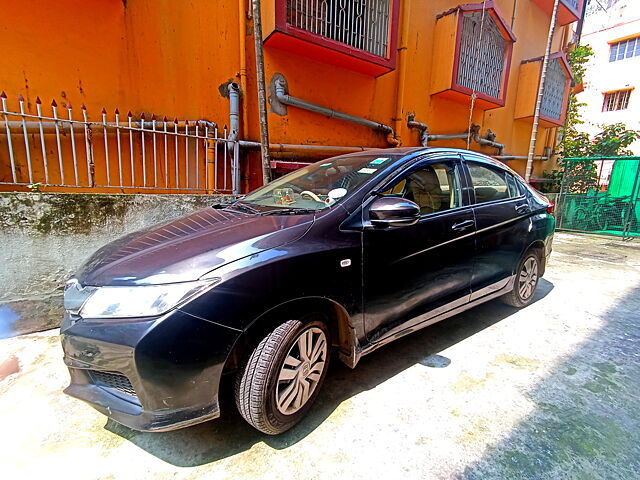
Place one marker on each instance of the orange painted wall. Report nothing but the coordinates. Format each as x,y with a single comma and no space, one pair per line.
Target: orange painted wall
170,58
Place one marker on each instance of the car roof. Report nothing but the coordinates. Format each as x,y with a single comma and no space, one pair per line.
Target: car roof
405,152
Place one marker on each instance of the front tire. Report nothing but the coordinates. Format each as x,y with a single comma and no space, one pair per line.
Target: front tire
282,376
526,281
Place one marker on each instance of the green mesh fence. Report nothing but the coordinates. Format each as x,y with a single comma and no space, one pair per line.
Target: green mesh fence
600,195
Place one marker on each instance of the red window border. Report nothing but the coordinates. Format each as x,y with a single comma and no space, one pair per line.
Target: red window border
566,13
491,8
388,62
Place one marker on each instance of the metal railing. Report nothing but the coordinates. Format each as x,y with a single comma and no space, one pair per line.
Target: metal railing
482,54
362,24
125,154
555,83
600,195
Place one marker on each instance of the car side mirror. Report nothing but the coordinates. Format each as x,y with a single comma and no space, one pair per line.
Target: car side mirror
393,212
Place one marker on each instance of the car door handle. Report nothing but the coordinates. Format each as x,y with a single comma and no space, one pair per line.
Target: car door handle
522,208
459,227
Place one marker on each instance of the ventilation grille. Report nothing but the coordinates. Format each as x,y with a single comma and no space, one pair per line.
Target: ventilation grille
113,380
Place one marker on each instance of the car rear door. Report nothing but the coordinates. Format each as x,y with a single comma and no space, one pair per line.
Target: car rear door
502,225
415,272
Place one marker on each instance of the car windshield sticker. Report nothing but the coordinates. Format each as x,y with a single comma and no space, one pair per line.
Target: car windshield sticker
379,160
368,171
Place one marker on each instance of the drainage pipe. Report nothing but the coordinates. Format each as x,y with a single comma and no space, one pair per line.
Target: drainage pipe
402,70
311,150
242,71
448,136
286,99
543,75
234,113
423,128
426,137
262,96
487,142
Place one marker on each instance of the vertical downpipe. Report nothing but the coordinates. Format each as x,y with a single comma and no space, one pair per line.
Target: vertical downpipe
402,69
262,97
543,74
242,71
234,125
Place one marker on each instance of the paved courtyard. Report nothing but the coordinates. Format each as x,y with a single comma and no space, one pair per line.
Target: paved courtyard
551,391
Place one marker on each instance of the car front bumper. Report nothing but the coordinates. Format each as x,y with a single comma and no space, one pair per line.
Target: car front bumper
148,374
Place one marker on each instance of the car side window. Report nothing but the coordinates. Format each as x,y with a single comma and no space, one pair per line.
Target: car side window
490,184
514,190
434,187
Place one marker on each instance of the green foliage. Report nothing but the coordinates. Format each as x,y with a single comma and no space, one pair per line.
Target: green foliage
554,181
613,141
574,143
578,57
581,176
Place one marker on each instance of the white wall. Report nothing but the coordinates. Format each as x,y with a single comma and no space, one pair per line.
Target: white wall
621,19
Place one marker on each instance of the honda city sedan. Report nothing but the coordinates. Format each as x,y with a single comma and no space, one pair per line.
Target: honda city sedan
333,260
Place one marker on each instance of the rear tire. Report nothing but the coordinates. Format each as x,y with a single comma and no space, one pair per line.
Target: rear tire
283,375
526,281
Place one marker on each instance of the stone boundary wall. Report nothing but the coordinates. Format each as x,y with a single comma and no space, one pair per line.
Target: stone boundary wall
45,237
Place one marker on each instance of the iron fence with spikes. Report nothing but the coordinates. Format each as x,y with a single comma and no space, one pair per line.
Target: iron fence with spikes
62,152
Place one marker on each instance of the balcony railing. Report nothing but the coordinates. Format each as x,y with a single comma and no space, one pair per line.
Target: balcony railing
476,64
362,24
555,95
358,35
482,64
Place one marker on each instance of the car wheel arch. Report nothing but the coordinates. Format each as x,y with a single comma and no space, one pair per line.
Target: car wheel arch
539,247
338,320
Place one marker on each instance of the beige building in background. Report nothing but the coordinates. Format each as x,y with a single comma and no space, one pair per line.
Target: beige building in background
612,81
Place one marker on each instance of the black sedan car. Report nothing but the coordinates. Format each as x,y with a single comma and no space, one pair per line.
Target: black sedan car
346,254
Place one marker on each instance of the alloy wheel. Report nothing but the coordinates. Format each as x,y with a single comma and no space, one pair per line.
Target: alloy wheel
528,278
301,370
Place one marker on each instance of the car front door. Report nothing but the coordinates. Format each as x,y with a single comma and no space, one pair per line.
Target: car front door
502,226
412,273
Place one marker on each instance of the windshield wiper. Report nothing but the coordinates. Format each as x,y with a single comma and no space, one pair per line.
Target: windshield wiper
243,207
290,211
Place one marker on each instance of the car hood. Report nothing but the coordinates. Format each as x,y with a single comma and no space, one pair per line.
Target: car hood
186,248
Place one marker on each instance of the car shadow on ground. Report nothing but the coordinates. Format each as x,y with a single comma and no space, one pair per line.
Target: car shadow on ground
230,434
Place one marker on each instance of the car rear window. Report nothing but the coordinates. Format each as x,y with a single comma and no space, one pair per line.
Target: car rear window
489,184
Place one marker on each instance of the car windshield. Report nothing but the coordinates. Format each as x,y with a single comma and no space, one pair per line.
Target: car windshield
319,185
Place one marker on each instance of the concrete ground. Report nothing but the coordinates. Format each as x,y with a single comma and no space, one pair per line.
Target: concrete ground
551,391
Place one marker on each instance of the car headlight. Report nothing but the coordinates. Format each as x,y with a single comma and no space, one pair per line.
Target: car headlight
141,301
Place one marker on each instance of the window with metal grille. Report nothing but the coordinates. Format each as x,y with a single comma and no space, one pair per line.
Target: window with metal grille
553,96
618,100
625,49
362,24
482,54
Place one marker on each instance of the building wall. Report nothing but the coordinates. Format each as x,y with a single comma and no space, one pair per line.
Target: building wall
602,27
170,58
